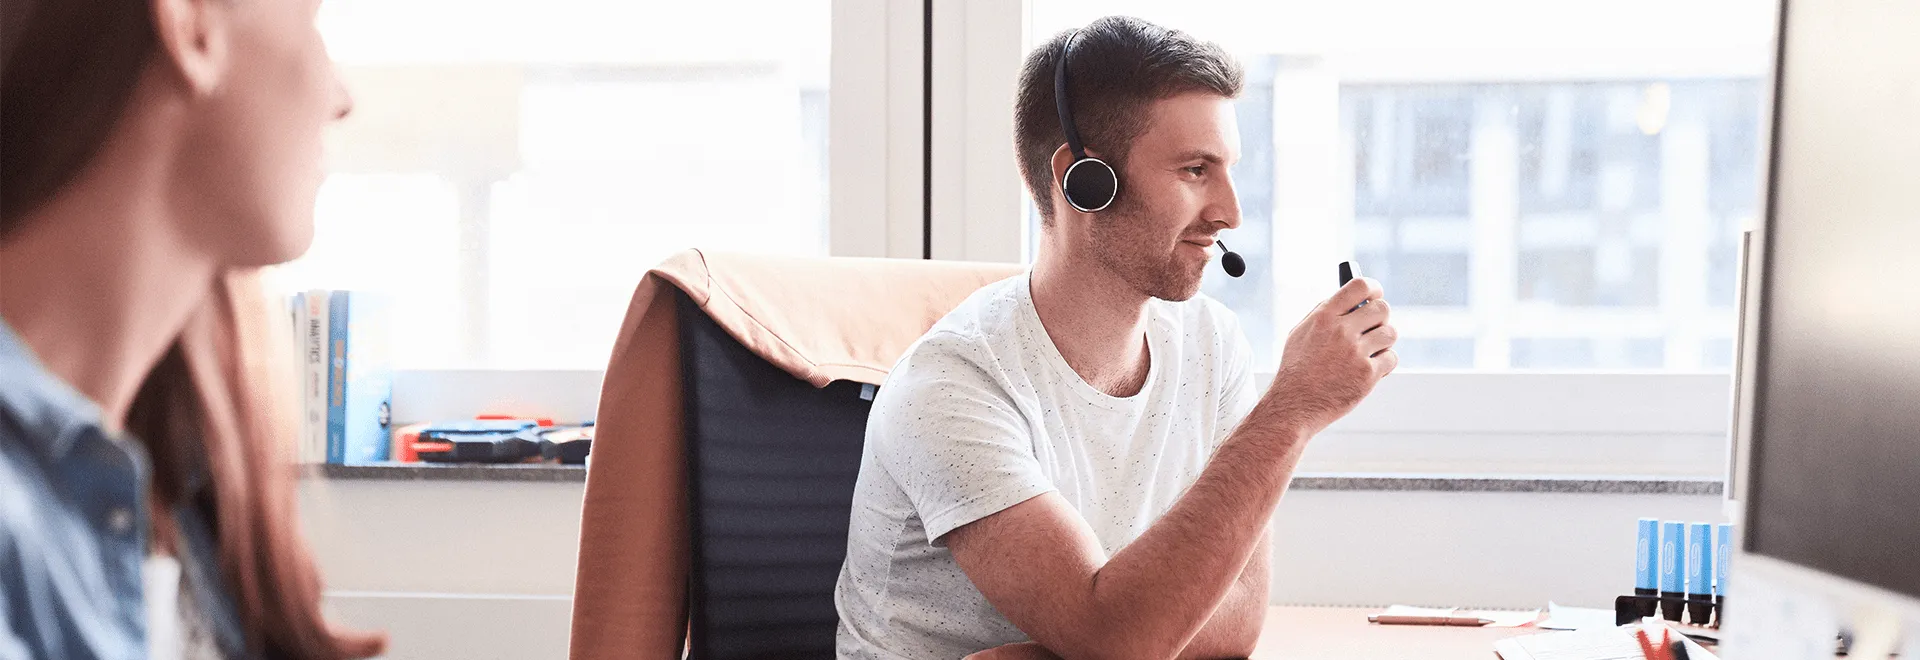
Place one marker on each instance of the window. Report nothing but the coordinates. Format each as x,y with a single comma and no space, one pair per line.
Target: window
1410,154
512,169
1557,190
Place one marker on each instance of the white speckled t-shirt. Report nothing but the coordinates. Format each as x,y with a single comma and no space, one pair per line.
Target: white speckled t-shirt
983,413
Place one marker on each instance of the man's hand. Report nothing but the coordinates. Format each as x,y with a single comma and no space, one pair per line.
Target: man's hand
1335,356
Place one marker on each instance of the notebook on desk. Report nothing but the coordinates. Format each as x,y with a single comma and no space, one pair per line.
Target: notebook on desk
1599,644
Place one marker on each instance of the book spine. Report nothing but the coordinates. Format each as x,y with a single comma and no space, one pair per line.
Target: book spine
369,381
313,386
338,359
297,350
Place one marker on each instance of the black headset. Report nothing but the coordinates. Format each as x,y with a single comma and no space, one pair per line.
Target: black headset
1090,184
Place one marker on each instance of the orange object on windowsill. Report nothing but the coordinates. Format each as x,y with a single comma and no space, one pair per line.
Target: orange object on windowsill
404,438
537,421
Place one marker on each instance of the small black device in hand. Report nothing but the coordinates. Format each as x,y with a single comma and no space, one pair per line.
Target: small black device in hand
1347,272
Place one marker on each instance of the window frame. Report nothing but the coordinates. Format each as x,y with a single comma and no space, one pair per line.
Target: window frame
877,77
938,76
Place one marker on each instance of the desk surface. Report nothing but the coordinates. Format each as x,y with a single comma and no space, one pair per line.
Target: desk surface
1342,633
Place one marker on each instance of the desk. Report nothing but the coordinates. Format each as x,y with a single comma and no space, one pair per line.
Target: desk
1342,633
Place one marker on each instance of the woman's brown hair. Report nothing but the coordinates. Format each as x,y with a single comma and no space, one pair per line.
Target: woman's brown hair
221,397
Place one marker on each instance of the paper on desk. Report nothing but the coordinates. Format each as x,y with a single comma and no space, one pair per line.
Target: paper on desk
1561,617
1500,619
1594,644
1775,620
1510,619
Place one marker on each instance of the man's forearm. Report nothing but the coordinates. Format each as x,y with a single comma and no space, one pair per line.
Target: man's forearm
1160,591
1234,628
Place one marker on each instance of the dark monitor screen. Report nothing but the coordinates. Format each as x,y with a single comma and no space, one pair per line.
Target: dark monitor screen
1834,480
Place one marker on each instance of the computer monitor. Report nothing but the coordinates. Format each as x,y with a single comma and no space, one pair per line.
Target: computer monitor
1827,429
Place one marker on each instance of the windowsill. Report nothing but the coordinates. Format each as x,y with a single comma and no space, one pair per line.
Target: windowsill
1469,483
1306,481
523,472
1513,426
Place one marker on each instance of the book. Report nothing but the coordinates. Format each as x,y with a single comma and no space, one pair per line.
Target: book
359,379
297,352
313,376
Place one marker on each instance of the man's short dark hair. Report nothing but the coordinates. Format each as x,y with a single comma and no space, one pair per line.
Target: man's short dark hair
1119,67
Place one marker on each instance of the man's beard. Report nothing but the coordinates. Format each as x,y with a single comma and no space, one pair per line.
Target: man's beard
1124,242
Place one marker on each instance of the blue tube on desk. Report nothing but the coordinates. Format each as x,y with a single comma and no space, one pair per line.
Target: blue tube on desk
1700,559
1672,585
1724,553
1646,558
1700,573
1646,568
1672,541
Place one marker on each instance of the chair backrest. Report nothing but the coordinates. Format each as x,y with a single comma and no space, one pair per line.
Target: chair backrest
771,468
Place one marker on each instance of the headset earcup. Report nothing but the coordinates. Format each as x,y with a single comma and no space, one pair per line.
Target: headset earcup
1090,185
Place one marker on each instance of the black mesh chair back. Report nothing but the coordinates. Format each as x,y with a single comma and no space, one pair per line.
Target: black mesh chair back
771,468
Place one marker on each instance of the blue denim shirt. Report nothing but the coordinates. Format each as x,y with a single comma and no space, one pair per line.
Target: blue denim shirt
74,528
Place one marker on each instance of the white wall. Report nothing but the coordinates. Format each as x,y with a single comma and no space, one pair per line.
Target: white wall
450,627
1503,550
486,569
451,569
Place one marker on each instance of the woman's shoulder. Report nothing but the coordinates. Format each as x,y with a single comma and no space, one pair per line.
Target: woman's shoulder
66,531
91,488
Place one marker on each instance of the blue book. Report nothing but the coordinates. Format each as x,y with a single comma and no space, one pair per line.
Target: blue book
359,379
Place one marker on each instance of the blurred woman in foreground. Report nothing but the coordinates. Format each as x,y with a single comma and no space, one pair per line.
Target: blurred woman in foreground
153,155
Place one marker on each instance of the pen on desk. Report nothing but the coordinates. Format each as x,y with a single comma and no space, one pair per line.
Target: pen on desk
1448,619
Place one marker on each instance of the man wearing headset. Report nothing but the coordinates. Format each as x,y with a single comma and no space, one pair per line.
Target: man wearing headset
1077,461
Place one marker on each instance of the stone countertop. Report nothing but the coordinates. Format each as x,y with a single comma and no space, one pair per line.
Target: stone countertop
1502,483
1484,483
546,472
